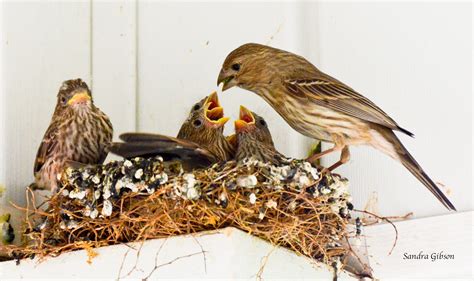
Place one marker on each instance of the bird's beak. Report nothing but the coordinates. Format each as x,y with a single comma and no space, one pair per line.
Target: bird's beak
214,112
226,79
245,119
81,96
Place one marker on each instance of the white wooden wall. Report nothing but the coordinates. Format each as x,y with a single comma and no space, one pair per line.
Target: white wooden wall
414,61
147,62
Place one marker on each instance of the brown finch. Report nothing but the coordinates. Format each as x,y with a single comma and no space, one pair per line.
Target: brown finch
200,140
254,139
319,106
79,133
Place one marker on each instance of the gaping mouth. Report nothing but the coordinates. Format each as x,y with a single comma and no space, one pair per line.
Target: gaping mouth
214,112
246,118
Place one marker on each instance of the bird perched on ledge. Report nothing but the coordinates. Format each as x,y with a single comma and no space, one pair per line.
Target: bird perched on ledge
319,106
79,133
199,142
254,139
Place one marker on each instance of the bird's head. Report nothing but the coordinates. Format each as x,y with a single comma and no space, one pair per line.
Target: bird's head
259,68
205,126
248,67
208,112
205,117
253,125
74,94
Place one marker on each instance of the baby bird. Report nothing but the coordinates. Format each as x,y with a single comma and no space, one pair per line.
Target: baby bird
199,143
254,139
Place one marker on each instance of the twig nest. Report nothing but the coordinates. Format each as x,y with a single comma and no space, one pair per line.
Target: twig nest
123,201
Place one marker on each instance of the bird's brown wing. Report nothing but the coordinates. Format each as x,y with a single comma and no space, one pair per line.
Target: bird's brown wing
47,146
341,98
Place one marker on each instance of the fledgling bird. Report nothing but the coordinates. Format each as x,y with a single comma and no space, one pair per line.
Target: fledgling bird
254,139
79,134
200,140
319,106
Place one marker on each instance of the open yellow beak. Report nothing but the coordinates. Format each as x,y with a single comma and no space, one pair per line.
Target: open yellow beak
245,119
214,112
221,121
240,124
79,97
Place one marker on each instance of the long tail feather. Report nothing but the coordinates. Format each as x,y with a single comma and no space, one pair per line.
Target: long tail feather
410,163
169,151
402,154
143,137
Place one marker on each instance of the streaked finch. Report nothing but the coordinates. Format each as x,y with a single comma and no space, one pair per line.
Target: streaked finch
319,106
254,139
79,133
200,140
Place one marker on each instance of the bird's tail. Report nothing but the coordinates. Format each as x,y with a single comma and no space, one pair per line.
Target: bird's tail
148,145
395,149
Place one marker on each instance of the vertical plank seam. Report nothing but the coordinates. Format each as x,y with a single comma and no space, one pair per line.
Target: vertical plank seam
306,23
91,45
137,79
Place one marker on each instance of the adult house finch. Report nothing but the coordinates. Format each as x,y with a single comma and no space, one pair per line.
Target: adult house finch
200,140
79,133
254,139
319,106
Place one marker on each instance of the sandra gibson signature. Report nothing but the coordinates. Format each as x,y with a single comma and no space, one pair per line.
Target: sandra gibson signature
433,256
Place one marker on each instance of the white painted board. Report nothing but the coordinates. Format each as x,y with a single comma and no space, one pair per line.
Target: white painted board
182,47
414,61
437,247
229,254
114,34
43,44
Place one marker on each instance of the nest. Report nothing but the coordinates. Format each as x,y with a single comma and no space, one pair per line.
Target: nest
123,201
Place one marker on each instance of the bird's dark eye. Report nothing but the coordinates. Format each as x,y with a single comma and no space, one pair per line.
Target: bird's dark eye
63,100
197,106
236,66
197,123
262,122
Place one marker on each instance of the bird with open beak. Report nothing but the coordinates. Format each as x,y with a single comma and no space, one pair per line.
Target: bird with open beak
79,133
200,140
254,139
319,106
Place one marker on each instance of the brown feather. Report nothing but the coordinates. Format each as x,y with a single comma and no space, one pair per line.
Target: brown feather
339,97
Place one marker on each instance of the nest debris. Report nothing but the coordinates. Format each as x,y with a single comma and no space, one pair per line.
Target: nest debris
293,206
